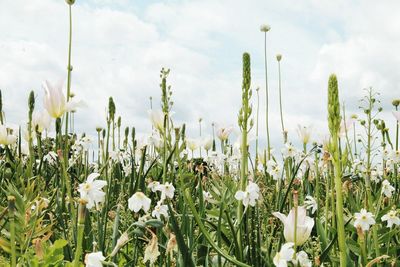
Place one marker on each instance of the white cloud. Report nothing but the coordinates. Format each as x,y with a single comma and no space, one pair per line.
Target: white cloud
120,47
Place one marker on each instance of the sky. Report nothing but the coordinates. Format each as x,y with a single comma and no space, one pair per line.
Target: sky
120,46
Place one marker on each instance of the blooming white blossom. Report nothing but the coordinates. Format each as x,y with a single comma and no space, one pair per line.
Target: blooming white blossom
5,137
192,144
157,119
273,169
311,203
304,133
391,218
91,190
139,201
207,143
302,260
289,151
41,121
250,195
159,210
94,259
387,188
304,225
285,255
153,186
224,132
364,219
167,190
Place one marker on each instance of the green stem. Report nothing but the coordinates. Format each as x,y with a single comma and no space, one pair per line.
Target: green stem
266,95
11,211
81,228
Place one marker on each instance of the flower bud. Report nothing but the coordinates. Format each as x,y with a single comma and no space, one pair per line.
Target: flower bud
278,57
265,28
70,2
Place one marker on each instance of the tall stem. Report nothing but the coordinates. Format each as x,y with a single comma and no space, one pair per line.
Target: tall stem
266,96
280,100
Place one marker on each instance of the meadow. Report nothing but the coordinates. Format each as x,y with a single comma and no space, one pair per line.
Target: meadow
171,199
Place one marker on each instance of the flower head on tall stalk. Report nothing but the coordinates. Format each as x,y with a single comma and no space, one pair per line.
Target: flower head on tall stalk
304,133
284,132
223,132
266,28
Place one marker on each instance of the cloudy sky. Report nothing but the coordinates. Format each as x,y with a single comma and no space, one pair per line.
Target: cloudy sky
119,47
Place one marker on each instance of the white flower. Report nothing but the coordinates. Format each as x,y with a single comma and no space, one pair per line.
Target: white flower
304,225
207,196
139,201
364,219
167,190
396,114
192,144
160,210
302,260
387,189
153,186
94,259
395,156
41,121
289,151
5,137
311,203
391,218
73,104
151,252
224,132
304,133
284,256
273,169
207,143
250,195
54,100
157,119
91,190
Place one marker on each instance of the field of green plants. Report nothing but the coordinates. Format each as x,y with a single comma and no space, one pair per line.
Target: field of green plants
171,199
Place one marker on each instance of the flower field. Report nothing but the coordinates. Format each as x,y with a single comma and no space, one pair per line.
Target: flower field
174,199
